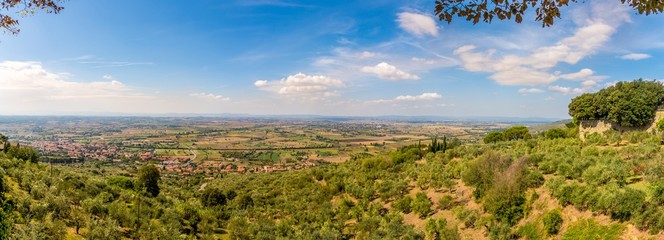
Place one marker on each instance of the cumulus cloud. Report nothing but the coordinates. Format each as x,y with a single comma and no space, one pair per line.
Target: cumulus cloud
302,86
410,98
534,69
417,24
34,81
635,56
31,88
209,96
530,90
386,71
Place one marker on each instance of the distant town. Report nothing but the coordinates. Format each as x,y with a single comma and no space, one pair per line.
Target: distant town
208,145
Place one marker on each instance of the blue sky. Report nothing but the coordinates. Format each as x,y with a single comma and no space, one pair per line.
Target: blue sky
350,58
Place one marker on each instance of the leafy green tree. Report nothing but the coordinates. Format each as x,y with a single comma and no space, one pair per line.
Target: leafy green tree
438,146
627,203
555,133
438,230
552,222
10,23
213,197
629,104
546,11
403,204
516,133
421,204
148,179
23,153
584,107
238,228
103,229
493,137
77,220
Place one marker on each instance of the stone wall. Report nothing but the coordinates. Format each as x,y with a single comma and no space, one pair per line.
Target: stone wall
600,126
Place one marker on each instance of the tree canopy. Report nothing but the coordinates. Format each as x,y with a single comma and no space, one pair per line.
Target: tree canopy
148,179
629,104
546,11
9,23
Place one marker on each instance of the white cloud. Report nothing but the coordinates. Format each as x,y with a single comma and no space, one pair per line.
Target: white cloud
261,83
534,68
568,90
410,98
31,88
635,56
34,81
209,96
423,96
530,90
419,25
302,86
583,74
386,71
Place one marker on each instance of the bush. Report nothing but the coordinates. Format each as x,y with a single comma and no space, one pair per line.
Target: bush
531,231
516,133
588,229
627,203
446,202
493,137
437,229
403,204
637,136
596,139
421,205
552,222
555,133
660,125
213,197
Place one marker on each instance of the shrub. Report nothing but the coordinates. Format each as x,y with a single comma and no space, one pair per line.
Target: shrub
588,229
660,125
421,205
596,139
446,202
437,229
516,133
555,133
493,137
403,204
628,202
552,222
637,136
